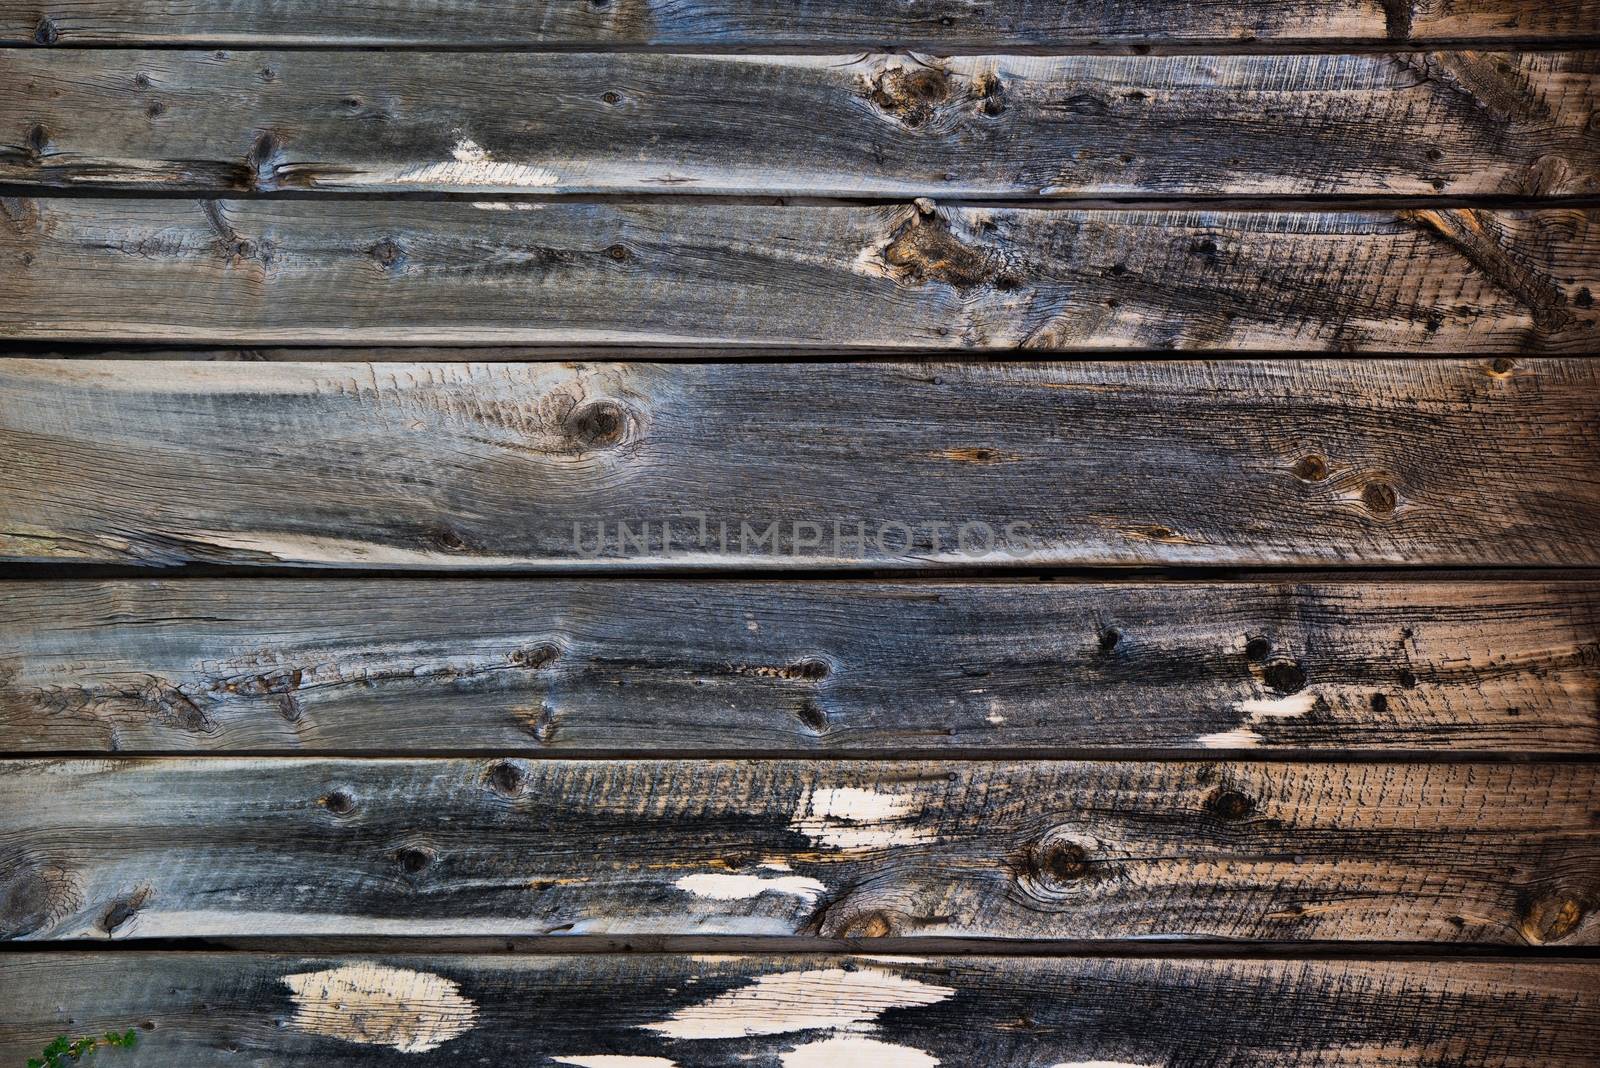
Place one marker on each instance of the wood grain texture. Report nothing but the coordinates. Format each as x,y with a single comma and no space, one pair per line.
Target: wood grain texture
800,1011
681,272
894,125
949,23
174,847
231,665
772,465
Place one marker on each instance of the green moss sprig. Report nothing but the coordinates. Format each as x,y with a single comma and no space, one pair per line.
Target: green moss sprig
66,1050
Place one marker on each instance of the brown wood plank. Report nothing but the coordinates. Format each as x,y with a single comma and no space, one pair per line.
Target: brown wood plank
947,23
803,1011
883,124
174,847
1475,462
683,272
559,666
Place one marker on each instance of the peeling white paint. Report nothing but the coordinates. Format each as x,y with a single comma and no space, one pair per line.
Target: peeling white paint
1255,710
1297,704
376,1005
472,166
822,998
850,1051
722,887
503,205
1238,738
615,1060
848,817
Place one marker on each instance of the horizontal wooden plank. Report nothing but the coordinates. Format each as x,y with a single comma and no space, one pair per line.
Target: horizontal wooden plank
682,272
172,847
949,23
802,1011
829,667
894,125
786,465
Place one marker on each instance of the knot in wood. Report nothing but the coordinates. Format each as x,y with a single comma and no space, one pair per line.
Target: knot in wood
1229,804
535,657
413,861
598,424
1285,676
339,803
506,778
1379,498
1552,919
911,96
924,249
1312,468
1059,865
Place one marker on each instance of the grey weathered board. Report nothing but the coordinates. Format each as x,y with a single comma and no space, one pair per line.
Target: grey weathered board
884,124
194,846
747,23
803,1011
1379,788
785,465
831,276
560,666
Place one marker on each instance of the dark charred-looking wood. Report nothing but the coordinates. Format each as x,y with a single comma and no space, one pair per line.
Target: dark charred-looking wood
650,1011
830,277
558,666
948,24
1499,854
884,124
801,465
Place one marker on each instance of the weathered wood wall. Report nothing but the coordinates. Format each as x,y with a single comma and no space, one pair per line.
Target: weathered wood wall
1070,707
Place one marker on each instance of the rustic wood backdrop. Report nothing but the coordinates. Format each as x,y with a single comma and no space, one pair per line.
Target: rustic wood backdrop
528,534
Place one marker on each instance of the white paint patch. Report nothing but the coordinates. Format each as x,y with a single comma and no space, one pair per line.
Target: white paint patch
848,817
1102,1064
848,1051
720,887
613,1060
1256,710
1297,704
375,1005
503,205
474,166
1239,738
821,998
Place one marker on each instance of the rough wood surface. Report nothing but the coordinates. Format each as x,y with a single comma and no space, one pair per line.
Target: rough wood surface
721,23
804,1011
172,847
895,125
636,466
84,269
235,665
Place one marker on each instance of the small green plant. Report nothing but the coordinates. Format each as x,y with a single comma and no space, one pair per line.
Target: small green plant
64,1050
